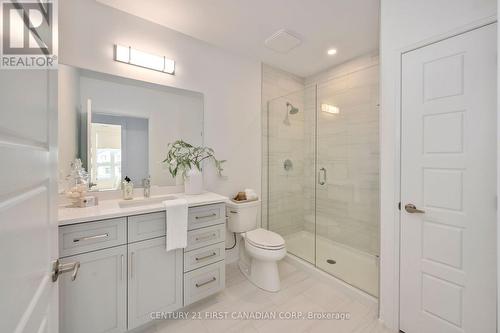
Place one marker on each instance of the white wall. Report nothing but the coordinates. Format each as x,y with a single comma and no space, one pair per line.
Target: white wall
405,24
68,108
230,84
354,65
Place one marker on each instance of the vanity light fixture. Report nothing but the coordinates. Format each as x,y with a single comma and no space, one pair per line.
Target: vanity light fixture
131,56
330,109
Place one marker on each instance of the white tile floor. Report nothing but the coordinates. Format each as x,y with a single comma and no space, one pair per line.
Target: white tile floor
300,292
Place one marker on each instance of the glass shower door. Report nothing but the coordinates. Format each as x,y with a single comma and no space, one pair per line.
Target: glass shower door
347,236
291,171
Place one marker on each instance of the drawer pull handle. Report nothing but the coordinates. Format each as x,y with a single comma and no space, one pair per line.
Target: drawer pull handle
205,216
206,282
76,240
206,257
202,238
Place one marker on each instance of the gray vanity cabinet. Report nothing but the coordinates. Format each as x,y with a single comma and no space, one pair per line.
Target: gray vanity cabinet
126,273
154,280
97,300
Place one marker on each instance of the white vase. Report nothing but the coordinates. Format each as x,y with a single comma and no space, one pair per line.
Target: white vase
193,184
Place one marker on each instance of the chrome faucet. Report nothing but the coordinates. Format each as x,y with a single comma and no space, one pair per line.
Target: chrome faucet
146,182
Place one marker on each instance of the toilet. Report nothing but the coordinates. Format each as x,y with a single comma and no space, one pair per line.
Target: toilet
260,249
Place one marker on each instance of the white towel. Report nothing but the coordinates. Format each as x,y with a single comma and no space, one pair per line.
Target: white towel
177,220
250,194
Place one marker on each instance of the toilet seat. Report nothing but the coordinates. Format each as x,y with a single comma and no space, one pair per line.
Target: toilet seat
265,239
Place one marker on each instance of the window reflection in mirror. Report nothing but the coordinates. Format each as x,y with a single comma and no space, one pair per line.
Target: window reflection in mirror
121,149
106,156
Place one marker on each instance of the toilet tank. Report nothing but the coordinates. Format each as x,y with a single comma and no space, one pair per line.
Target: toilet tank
242,217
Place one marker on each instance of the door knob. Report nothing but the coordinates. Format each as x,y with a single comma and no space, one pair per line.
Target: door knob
410,208
322,172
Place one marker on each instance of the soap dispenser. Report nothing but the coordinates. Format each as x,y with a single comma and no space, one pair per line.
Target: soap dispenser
127,189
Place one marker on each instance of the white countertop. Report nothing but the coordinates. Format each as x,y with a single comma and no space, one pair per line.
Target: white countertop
111,208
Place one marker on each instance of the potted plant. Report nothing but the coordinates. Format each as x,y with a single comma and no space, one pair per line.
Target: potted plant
186,159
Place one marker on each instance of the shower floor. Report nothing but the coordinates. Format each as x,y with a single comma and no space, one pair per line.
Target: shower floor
354,267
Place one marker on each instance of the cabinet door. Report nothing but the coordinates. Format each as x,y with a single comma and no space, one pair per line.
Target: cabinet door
96,301
155,280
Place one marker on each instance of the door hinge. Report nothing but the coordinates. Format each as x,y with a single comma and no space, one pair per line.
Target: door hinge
399,205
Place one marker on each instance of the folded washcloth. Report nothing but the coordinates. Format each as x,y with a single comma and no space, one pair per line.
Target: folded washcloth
176,223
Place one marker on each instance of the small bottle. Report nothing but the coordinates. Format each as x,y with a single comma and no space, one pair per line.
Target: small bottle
127,189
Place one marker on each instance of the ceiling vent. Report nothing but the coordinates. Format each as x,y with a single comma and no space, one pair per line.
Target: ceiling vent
282,41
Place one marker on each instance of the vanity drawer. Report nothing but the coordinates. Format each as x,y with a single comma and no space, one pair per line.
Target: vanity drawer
205,236
204,256
146,226
91,236
203,282
204,216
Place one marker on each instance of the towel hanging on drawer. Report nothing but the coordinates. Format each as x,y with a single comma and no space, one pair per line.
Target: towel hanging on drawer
176,222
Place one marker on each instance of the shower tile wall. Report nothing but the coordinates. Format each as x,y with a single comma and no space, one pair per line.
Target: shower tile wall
286,208
347,207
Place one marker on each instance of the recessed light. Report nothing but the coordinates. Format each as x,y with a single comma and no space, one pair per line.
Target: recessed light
332,51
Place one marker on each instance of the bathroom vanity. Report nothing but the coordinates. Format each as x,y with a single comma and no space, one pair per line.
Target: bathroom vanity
125,272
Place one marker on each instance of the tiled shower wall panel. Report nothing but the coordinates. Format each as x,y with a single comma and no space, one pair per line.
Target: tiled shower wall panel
277,83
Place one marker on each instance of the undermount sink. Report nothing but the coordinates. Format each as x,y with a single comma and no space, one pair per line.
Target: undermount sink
145,201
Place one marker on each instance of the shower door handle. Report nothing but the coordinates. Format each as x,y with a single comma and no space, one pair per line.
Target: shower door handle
321,181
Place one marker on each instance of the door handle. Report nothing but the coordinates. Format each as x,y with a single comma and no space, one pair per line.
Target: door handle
322,171
58,268
131,267
412,209
122,266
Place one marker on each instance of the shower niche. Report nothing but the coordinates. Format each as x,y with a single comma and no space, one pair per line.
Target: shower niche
325,200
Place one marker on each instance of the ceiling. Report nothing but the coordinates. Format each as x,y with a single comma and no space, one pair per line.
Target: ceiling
242,26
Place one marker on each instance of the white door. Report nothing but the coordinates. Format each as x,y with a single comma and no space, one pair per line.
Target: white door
155,280
448,171
28,194
95,302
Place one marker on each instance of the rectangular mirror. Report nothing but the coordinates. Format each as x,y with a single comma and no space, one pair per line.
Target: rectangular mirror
121,127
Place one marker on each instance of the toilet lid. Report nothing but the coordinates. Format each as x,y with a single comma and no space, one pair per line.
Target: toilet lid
265,238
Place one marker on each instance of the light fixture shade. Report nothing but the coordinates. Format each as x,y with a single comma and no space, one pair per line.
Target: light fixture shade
122,53
147,60
330,108
129,55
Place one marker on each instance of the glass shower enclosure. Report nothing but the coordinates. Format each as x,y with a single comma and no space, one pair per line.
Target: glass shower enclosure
322,176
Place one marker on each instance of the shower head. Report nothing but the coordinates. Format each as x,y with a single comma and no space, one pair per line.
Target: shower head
293,109
290,109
